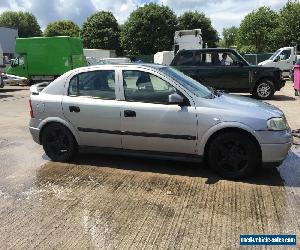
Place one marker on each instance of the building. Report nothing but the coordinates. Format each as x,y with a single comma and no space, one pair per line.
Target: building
8,41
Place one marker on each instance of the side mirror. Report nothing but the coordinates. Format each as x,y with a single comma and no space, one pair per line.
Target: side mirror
276,59
281,57
175,99
240,63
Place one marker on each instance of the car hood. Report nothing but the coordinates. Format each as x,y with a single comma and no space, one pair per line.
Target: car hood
232,108
265,62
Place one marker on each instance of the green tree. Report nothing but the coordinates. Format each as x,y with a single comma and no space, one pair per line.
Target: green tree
288,32
229,36
101,31
194,20
62,28
256,31
149,29
25,22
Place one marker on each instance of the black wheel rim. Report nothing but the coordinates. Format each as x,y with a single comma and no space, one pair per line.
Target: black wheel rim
58,143
232,156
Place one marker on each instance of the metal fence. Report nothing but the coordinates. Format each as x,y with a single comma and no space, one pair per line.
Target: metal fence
257,58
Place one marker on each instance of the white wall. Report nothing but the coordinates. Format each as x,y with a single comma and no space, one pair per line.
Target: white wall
99,53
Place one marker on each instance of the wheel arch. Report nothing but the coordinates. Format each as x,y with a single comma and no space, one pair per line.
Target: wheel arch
60,121
270,78
223,128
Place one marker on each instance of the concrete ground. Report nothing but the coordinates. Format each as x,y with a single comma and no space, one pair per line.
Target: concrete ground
111,202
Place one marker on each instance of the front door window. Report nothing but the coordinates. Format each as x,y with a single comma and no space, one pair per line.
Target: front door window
141,86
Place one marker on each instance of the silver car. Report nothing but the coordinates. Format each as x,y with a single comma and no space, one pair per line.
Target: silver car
155,110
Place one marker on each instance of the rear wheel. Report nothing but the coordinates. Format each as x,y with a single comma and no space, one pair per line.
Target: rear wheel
234,155
264,89
58,142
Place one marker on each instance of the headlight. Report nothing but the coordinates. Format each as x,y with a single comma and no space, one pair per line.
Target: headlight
279,123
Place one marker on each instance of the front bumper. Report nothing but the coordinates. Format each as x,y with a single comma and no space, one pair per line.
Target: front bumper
281,84
274,153
35,133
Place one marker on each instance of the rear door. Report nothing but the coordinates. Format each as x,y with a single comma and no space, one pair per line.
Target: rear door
92,108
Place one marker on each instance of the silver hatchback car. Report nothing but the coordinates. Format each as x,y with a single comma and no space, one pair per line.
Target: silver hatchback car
145,109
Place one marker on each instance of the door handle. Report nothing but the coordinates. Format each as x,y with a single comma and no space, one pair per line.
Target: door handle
74,109
129,113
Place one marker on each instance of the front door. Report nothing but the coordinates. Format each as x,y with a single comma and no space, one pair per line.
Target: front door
148,122
235,74
92,108
284,61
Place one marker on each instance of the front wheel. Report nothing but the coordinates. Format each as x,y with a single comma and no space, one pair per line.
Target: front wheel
234,155
264,89
58,142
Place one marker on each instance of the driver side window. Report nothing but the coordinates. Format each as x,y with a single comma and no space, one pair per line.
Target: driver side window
285,54
21,60
142,86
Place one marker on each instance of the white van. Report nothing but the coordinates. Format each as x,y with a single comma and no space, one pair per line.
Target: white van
164,57
188,39
284,59
183,39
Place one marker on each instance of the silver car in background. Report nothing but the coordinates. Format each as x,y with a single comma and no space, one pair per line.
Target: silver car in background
144,109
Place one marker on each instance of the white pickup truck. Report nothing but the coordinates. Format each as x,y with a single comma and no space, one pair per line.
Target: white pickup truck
284,59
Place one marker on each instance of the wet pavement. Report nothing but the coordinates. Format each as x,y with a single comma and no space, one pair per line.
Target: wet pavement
112,202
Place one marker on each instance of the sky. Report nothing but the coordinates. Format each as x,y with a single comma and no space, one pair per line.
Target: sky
223,13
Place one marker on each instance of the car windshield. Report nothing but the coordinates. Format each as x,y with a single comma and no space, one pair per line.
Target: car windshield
189,83
275,55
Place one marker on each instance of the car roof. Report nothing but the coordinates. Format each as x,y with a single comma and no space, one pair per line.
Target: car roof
209,50
146,65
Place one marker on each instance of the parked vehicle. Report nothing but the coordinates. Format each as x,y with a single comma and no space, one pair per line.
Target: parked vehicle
14,80
164,57
91,61
284,58
234,75
1,56
188,39
116,60
45,58
1,80
99,54
156,110
183,40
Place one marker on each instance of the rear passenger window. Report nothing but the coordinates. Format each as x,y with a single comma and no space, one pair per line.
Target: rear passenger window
100,84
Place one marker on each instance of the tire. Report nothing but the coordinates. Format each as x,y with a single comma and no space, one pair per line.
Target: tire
58,142
264,89
234,155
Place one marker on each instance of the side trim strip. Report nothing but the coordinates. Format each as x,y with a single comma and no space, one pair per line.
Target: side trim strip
143,134
100,131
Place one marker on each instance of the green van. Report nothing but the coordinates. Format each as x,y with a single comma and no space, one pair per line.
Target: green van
46,58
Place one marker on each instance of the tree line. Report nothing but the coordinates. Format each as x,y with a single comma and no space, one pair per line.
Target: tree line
265,30
151,28
148,29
